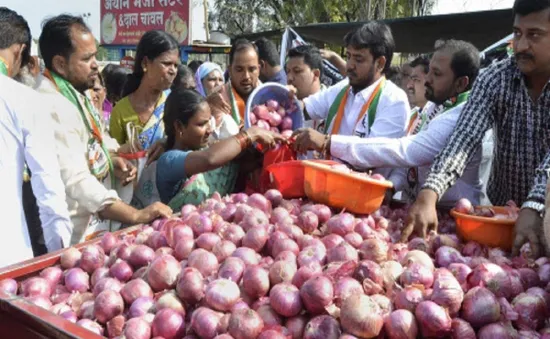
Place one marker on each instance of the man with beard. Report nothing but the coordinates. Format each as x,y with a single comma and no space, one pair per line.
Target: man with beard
244,72
513,98
365,105
423,110
85,152
453,69
26,137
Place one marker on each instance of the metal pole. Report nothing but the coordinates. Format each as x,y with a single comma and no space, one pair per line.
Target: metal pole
205,4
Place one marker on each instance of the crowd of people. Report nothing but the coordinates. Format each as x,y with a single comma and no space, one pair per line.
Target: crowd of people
441,128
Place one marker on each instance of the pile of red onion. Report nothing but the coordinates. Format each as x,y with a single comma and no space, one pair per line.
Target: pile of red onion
272,116
260,266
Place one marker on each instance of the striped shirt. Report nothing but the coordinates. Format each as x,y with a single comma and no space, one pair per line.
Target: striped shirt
521,127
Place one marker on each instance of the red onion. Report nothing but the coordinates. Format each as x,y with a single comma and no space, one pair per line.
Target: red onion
286,256
417,274
461,272
91,326
284,245
344,288
86,310
100,273
222,294
278,215
336,270
241,212
168,324
115,326
121,270
70,258
323,212
178,233
248,255
368,269
255,238
190,286
462,330
322,327
69,316
208,240
221,336
448,240
281,271
408,298
332,240
245,324
312,254
544,274
269,316
296,326
260,202
8,286
170,300
480,307
123,251
391,271
141,256
105,284
183,248
317,293
446,255
361,316
92,258
228,213
492,277
433,320
52,274
529,278
200,223
77,280
419,257
285,299
254,219
541,293
374,249
385,304
531,310
464,206
497,330
473,249
205,322
272,334
255,281
260,302
134,289
157,240
40,301
308,221
163,273
142,236
354,239
140,307
447,292
342,252
108,242
108,304
341,224
304,273
401,324
223,249
203,261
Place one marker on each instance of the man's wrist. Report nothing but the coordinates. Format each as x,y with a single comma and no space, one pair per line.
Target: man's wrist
534,205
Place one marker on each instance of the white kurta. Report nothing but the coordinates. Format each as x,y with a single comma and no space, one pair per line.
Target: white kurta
392,113
412,151
26,135
86,195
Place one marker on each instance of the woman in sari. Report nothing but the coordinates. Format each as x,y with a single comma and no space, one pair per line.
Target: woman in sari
208,77
157,58
190,171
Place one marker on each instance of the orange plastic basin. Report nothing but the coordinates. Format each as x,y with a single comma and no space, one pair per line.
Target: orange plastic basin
360,195
487,231
288,177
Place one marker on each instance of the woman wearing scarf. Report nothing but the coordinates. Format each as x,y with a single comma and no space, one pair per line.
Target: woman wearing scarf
208,77
157,58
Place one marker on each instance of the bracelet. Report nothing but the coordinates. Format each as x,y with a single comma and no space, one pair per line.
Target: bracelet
248,138
243,139
325,150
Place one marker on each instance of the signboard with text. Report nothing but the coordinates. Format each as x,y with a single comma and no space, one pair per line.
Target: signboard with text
123,22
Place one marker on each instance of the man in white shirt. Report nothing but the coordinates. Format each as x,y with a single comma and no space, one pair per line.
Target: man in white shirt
86,153
365,104
26,137
453,69
416,92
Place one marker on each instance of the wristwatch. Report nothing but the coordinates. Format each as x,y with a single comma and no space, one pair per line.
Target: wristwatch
537,206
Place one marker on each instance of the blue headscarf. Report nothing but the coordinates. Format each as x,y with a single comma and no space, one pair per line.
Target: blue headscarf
205,69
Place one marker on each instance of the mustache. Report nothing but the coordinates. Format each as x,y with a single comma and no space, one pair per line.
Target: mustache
524,55
349,72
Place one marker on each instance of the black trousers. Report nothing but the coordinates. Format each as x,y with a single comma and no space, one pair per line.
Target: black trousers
33,221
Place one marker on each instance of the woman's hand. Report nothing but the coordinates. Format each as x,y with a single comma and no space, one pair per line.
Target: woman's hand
265,138
155,151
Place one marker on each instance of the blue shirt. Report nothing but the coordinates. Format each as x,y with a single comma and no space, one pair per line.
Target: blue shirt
170,173
280,78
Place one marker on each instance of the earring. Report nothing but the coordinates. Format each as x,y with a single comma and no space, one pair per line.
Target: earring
144,69
181,134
